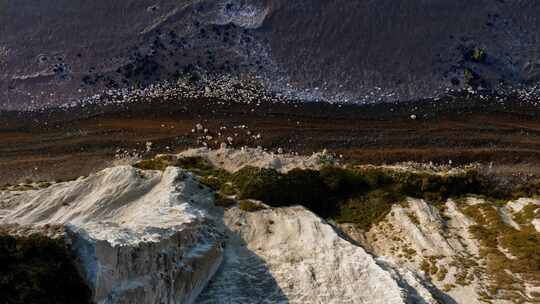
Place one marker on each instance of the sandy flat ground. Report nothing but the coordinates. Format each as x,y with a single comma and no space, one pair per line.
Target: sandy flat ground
59,144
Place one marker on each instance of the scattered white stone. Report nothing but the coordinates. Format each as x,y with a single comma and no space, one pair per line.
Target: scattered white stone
235,159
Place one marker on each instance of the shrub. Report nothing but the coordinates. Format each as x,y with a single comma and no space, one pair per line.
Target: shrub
305,187
343,181
223,201
158,163
326,160
211,182
195,163
529,189
469,76
227,188
366,210
39,270
432,187
256,183
297,187
478,55
250,206
44,185
214,178
358,195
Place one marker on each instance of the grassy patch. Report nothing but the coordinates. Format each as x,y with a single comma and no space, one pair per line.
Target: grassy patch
223,201
23,187
358,195
477,55
158,163
366,210
414,219
362,196
529,189
528,214
196,164
37,269
43,185
210,176
448,287
211,182
471,78
521,263
250,206
298,187
425,266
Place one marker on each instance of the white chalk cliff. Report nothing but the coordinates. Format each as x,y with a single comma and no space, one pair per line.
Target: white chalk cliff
140,237
156,237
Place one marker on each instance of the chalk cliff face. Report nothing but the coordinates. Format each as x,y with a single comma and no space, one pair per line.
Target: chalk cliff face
158,237
337,50
152,237
304,261
140,237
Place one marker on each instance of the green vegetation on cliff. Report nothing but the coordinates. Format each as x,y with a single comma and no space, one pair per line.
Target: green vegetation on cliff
39,270
358,195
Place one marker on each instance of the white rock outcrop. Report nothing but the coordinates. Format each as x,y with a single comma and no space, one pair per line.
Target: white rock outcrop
140,237
290,255
435,242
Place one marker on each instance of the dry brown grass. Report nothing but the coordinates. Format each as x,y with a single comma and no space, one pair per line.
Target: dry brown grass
366,134
507,275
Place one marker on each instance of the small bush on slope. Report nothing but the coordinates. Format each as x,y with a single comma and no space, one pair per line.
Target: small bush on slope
195,163
250,206
298,187
210,176
530,189
38,270
223,201
365,210
158,163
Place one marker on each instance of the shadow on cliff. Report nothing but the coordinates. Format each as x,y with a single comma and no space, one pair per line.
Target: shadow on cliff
243,276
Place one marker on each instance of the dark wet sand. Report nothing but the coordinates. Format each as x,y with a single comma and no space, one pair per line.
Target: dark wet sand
60,144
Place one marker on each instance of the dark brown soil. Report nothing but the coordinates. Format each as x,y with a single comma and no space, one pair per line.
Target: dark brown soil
60,144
